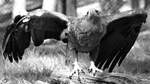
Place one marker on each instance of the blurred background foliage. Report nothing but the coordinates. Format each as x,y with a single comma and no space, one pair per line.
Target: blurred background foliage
138,59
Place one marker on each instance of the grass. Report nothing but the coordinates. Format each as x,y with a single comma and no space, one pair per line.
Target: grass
39,64
49,61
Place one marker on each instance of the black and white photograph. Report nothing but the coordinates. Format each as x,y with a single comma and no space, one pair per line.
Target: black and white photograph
74,42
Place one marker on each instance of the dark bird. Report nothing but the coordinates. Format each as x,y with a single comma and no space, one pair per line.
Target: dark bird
107,40
36,26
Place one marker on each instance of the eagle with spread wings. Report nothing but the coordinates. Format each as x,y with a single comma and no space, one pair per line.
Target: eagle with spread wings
37,26
107,38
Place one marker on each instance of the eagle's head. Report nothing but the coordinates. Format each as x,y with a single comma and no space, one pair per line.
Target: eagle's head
86,30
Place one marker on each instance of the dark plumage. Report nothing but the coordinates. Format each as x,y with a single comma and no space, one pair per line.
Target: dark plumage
119,39
107,41
38,25
15,41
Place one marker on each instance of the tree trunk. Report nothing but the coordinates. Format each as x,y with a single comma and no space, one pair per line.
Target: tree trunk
147,4
2,2
61,6
67,7
49,5
71,7
135,4
19,8
111,6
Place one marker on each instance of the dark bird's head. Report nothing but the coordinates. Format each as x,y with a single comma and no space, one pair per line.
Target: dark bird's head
87,30
16,39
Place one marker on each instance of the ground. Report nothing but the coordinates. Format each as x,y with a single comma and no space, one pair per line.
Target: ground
49,64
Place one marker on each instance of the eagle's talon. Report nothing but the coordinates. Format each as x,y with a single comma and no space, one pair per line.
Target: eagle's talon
77,70
93,69
89,70
70,77
79,79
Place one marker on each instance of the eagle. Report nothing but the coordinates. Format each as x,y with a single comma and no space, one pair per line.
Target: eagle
36,27
107,38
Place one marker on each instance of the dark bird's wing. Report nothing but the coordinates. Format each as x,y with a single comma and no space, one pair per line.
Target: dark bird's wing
119,39
16,40
7,42
46,26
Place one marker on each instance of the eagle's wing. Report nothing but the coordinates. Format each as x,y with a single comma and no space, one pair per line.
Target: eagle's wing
46,25
7,42
117,42
39,25
15,42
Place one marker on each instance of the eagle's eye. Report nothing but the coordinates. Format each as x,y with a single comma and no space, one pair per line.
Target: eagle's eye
97,11
87,13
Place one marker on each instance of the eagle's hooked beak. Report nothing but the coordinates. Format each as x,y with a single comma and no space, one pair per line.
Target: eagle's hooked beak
93,16
93,13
